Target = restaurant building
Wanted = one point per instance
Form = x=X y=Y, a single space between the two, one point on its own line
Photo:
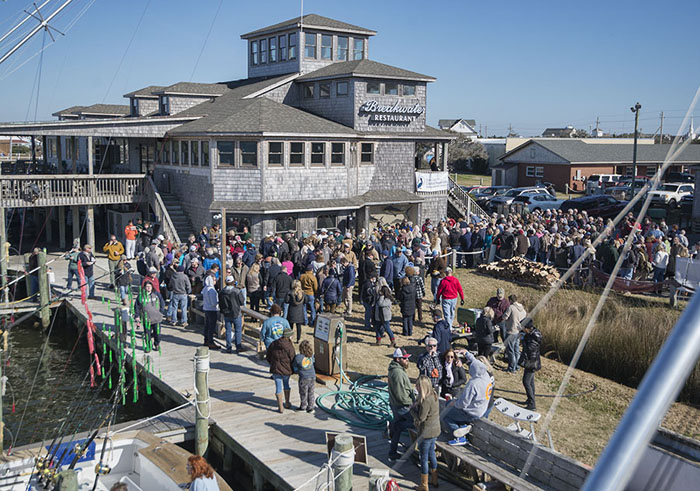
x=317 y=136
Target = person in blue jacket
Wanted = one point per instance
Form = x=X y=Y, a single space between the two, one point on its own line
x=331 y=291
x=273 y=328
x=348 y=284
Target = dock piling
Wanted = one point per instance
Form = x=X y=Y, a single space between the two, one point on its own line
x=44 y=295
x=343 y=456
x=201 y=386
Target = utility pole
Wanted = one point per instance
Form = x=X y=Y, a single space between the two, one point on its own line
x=510 y=129
x=635 y=109
x=661 y=131
x=597 y=126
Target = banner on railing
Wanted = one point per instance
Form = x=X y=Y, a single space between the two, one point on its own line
x=432 y=181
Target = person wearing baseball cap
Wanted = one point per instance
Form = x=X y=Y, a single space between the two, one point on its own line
x=401 y=399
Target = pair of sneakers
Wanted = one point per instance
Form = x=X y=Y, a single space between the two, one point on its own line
x=460 y=435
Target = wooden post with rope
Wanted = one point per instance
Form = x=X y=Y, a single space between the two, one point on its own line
x=44 y=290
x=344 y=458
x=201 y=384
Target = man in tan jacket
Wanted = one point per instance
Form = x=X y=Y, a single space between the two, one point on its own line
x=114 y=250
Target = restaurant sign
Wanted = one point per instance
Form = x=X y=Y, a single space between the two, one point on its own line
x=392 y=113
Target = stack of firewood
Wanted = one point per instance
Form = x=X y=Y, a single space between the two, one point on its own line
x=522 y=270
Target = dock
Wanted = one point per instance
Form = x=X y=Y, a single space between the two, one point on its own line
x=283 y=451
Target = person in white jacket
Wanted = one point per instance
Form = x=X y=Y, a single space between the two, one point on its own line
x=211 y=311
x=660 y=263
x=472 y=403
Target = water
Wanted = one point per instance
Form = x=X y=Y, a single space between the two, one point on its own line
x=62 y=392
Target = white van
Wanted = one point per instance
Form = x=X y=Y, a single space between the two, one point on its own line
x=596 y=183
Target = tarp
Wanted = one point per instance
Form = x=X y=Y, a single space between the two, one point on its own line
x=432 y=181
x=688 y=273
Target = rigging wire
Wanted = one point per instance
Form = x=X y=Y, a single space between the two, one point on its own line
x=211 y=27
x=672 y=155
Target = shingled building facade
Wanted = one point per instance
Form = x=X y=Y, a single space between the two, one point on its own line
x=317 y=136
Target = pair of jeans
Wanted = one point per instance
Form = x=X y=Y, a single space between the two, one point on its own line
x=281 y=382
x=512 y=351
x=310 y=303
x=529 y=384
x=659 y=274
x=453 y=418
x=368 y=315
x=237 y=324
x=71 y=273
x=123 y=292
x=210 y=318
x=347 y=299
x=625 y=273
x=407 y=325
x=426 y=448
x=33 y=284
x=178 y=300
x=380 y=327
x=91 y=285
x=449 y=305
x=434 y=284
x=402 y=421
x=306 y=392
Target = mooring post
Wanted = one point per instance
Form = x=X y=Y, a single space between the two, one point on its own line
x=44 y=296
x=201 y=388
x=343 y=456
x=2 y=387
x=453 y=260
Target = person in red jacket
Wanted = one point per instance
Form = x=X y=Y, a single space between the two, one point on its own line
x=447 y=294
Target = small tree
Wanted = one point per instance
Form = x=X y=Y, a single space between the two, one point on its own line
x=465 y=155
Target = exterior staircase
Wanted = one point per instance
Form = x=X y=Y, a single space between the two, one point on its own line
x=461 y=203
x=178 y=217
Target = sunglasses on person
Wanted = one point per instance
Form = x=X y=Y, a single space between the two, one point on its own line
x=432 y=346
x=449 y=357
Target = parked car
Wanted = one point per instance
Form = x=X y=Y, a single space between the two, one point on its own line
x=597 y=181
x=670 y=194
x=508 y=197
x=472 y=189
x=596 y=206
x=482 y=196
x=639 y=181
x=679 y=177
x=539 y=201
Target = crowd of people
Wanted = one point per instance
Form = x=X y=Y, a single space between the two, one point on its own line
x=392 y=268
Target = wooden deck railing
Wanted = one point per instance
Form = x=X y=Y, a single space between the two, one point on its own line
x=465 y=201
x=71 y=189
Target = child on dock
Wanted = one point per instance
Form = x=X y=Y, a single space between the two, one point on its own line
x=304 y=366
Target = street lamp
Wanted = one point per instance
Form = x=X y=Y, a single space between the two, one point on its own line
x=635 y=109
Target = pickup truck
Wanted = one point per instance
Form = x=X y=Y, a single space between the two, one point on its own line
x=670 y=194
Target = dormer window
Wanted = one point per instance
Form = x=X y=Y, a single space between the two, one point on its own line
x=391 y=88
x=253 y=52
x=342 y=48
x=164 y=105
x=263 y=51
x=134 y=107
x=358 y=49
x=409 y=90
x=273 y=49
x=373 y=88
x=283 y=47
x=326 y=47
x=310 y=45
x=293 y=46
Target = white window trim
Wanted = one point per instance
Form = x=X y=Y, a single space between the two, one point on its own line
x=374 y=153
x=539 y=171
x=530 y=171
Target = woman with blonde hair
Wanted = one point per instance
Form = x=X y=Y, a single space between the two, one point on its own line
x=201 y=474
x=426 y=417
x=295 y=312
x=253 y=284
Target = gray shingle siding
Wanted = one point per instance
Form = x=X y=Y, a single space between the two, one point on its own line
x=338 y=109
x=180 y=103
x=362 y=121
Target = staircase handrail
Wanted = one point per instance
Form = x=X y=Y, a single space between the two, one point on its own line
x=467 y=200
x=162 y=212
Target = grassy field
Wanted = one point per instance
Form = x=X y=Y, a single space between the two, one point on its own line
x=582 y=424
x=472 y=179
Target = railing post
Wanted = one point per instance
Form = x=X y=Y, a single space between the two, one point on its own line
x=44 y=290
x=201 y=376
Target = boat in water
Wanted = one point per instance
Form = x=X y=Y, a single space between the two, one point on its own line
x=138 y=459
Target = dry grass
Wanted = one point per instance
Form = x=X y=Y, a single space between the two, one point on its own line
x=630 y=333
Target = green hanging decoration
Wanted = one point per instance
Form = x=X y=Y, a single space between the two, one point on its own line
x=110 y=381
x=103 y=299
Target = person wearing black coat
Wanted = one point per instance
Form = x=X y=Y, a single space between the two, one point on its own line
x=295 y=313
x=407 y=302
x=281 y=286
x=368 y=296
x=453 y=375
x=530 y=361
x=483 y=333
x=367 y=269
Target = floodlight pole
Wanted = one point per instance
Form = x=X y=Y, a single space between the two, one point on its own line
x=635 y=109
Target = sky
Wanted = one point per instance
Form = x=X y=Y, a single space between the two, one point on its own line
x=531 y=65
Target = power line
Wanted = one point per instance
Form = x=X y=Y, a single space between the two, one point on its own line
x=213 y=21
